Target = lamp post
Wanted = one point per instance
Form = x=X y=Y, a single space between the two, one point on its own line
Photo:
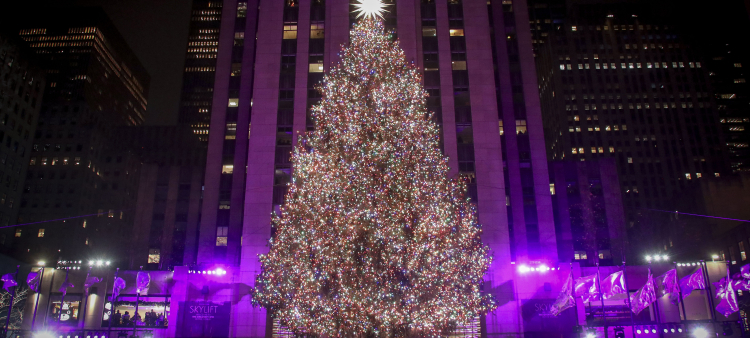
x=38 y=294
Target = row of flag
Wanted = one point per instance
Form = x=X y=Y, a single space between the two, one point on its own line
x=143 y=279
x=592 y=288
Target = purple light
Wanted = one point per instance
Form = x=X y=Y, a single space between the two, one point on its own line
x=524 y=268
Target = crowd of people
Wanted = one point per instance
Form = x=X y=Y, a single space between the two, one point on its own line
x=151 y=319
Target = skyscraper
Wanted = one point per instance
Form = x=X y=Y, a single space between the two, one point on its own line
x=623 y=82
x=267 y=56
x=21 y=89
x=80 y=187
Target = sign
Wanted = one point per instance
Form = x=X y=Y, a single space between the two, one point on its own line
x=203 y=319
x=538 y=319
x=68 y=314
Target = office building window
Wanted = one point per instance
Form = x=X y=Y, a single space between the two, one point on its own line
x=40 y=233
x=317 y=31
x=290 y=32
x=18 y=232
x=316 y=68
x=221 y=236
x=457 y=32
x=154 y=255
x=743 y=254
x=579 y=255
x=234 y=102
x=236 y=69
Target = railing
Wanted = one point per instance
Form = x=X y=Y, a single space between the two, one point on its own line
x=101 y=333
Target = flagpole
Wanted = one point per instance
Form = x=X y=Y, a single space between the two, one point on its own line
x=627 y=292
x=10 y=306
x=601 y=297
x=49 y=297
x=62 y=299
x=85 y=295
x=709 y=293
x=112 y=307
x=679 y=289
x=137 y=297
x=38 y=295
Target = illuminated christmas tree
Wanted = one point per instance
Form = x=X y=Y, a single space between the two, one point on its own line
x=373 y=238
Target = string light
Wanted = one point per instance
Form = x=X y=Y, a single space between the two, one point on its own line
x=373 y=238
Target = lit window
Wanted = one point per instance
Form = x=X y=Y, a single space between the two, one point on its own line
x=87 y=241
x=154 y=255
x=315 y=68
x=241 y=13
x=317 y=31
x=40 y=233
x=234 y=102
x=77 y=161
x=580 y=150
x=552 y=188
x=66 y=160
x=717 y=175
x=698 y=175
x=562 y=67
x=573 y=28
x=458 y=65
x=290 y=32
x=576 y=118
x=227 y=169
x=630 y=160
x=84 y=224
x=429 y=31
x=739 y=80
x=579 y=255
x=743 y=255
x=520 y=126
x=738 y=65
x=611 y=149
x=18 y=232
x=601 y=150
x=688 y=176
x=501 y=127
x=32 y=161
x=221 y=236
x=575 y=151
x=457 y=32
x=236 y=69
x=54 y=161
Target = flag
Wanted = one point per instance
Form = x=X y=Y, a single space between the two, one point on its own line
x=642 y=298
x=745 y=271
x=613 y=284
x=34 y=281
x=8 y=281
x=728 y=304
x=143 y=280
x=65 y=285
x=691 y=282
x=587 y=288
x=117 y=287
x=565 y=300
x=669 y=285
x=90 y=280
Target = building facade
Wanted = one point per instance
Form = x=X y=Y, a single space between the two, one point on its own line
x=190 y=302
x=267 y=56
x=589 y=216
x=169 y=195
x=80 y=187
x=22 y=84
x=623 y=83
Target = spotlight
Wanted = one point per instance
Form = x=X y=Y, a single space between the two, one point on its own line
x=524 y=269
x=714 y=256
x=672 y=330
x=98 y=263
x=107 y=263
x=40 y=263
x=657 y=258
x=43 y=334
x=91 y=263
x=648 y=258
x=665 y=257
x=665 y=330
x=653 y=330
x=590 y=335
x=638 y=331
x=679 y=329
x=700 y=333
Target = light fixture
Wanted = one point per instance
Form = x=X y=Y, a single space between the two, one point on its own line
x=648 y=258
x=107 y=263
x=40 y=263
x=700 y=333
x=665 y=257
x=590 y=335
x=99 y=263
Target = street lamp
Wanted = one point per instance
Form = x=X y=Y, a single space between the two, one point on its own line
x=40 y=263
x=714 y=257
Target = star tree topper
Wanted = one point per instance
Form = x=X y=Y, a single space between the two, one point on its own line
x=370 y=9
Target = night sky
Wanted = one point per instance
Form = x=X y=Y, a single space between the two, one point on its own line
x=156 y=30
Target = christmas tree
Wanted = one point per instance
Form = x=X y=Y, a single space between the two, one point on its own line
x=373 y=238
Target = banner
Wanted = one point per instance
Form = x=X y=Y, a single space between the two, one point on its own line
x=203 y=319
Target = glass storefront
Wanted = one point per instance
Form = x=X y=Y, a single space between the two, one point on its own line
x=153 y=311
x=65 y=311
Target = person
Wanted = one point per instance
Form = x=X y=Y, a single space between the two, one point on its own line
x=152 y=321
x=137 y=319
x=126 y=319
x=160 y=321
x=116 y=318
